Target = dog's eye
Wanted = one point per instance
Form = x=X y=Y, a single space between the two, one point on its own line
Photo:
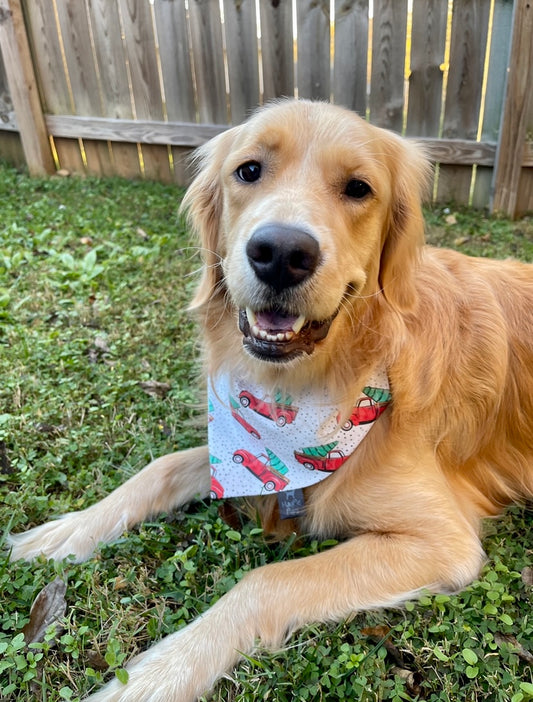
x=249 y=172
x=357 y=189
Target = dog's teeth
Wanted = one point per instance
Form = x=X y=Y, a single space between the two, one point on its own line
x=281 y=337
x=252 y=319
x=296 y=327
x=262 y=334
x=255 y=330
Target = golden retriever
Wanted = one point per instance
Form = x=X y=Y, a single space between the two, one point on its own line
x=315 y=275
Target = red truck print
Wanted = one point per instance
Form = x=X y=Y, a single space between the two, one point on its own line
x=235 y=413
x=364 y=412
x=271 y=479
x=278 y=410
x=217 y=491
x=368 y=408
x=324 y=458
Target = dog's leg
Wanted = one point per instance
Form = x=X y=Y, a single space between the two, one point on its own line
x=371 y=570
x=165 y=483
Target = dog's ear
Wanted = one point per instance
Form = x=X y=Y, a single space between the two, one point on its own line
x=203 y=205
x=404 y=234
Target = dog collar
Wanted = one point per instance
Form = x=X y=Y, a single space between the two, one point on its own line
x=262 y=444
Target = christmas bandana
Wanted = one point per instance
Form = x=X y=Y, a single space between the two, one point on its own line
x=261 y=444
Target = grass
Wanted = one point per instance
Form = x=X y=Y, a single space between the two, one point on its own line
x=94 y=280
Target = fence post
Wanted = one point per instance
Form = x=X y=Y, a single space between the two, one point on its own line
x=513 y=129
x=23 y=88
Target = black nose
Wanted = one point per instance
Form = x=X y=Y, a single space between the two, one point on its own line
x=282 y=256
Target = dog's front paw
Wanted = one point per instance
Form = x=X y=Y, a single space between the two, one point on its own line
x=180 y=668
x=76 y=534
x=155 y=676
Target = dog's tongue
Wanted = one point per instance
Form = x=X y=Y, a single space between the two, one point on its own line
x=275 y=321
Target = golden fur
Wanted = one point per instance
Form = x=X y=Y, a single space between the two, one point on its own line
x=455 y=334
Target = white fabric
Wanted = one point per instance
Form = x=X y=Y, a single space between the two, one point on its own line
x=254 y=454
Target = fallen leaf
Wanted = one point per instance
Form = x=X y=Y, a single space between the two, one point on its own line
x=154 y=388
x=52 y=429
x=510 y=640
x=461 y=240
x=63 y=173
x=5 y=463
x=141 y=233
x=96 y=661
x=402 y=662
x=450 y=219
x=48 y=608
x=98 y=349
x=527 y=575
x=413 y=680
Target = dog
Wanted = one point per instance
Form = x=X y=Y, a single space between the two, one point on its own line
x=316 y=278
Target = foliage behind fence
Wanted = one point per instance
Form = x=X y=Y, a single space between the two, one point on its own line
x=128 y=87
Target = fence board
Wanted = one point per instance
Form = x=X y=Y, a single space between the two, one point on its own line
x=388 y=62
x=52 y=80
x=277 y=59
x=7 y=111
x=502 y=24
x=11 y=150
x=313 y=62
x=176 y=70
x=518 y=115
x=83 y=80
x=428 y=39
x=115 y=101
x=10 y=145
x=139 y=44
x=133 y=131
x=240 y=25
x=23 y=89
x=208 y=59
x=351 y=54
x=524 y=199
x=464 y=90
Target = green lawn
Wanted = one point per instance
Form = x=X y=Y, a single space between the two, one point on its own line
x=94 y=280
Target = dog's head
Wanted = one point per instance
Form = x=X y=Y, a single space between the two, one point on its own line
x=305 y=212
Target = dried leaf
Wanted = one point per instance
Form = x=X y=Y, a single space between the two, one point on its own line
x=5 y=463
x=376 y=632
x=154 y=388
x=511 y=641
x=98 y=349
x=48 y=608
x=527 y=575
x=52 y=429
x=450 y=219
x=461 y=240
x=413 y=680
x=402 y=662
x=96 y=661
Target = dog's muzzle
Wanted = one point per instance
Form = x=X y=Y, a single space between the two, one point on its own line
x=276 y=336
x=282 y=257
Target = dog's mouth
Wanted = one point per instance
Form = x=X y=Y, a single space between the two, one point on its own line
x=276 y=336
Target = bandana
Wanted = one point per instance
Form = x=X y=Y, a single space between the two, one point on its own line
x=261 y=444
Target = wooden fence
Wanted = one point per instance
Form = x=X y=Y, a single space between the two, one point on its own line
x=129 y=87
